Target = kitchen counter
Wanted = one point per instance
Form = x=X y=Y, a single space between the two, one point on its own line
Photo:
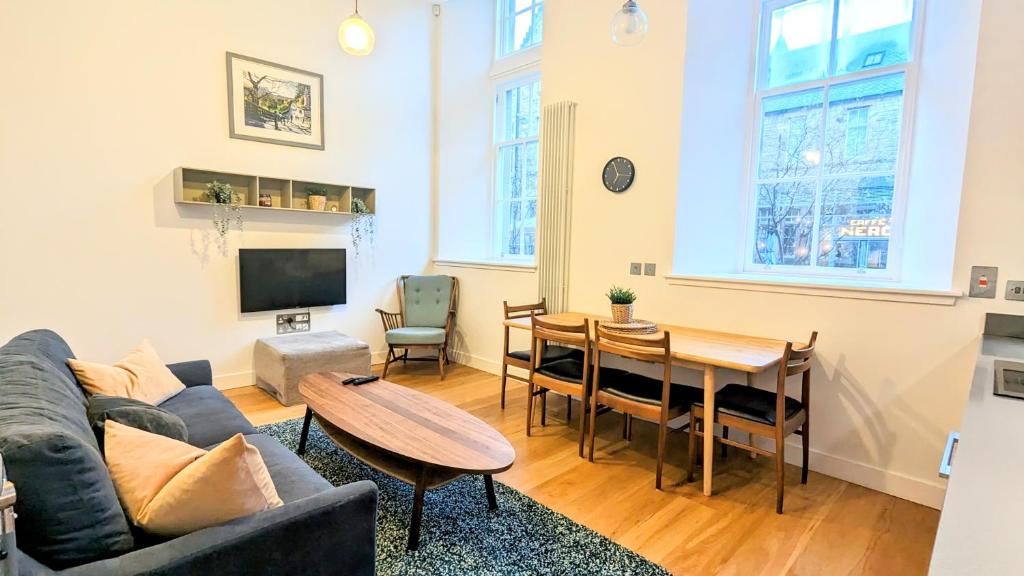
x=979 y=531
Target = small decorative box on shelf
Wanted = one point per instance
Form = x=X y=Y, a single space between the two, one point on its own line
x=269 y=193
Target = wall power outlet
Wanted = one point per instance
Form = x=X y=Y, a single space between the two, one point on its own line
x=289 y=323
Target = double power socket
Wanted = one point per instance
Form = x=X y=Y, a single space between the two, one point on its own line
x=289 y=323
x=636 y=268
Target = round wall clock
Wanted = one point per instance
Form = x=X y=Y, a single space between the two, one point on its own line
x=618 y=174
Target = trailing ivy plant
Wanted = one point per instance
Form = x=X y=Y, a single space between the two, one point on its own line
x=227 y=208
x=363 y=226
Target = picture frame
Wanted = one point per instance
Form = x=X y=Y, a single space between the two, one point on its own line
x=274 y=103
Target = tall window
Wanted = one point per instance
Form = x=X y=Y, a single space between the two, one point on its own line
x=831 y=90
x=520 y=25
x=517 y=128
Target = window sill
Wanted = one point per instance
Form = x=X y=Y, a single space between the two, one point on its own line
x=504 y=265
x=829 y=288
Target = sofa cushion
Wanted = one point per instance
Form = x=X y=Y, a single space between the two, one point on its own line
x=46 y=345
x=134 y=413
x=171 y=488
x=293 y=478
x=209 y=416
x=141 y=375
x=68 y=512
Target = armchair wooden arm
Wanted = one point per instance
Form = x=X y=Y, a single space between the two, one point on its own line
x=390 y=320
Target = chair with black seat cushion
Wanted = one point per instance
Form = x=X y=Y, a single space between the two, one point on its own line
x=635 y=394
x=569 y=376
x=521 y=358
x=755 y=411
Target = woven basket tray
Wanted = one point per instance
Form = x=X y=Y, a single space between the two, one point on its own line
x=634 y=327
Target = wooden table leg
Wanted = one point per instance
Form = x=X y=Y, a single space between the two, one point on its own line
x=417 y=510
x=305 y=431
x=750 y=437
x=492 y=501
x=709 y=426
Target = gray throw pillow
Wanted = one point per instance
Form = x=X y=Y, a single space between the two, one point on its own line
x=133 y=413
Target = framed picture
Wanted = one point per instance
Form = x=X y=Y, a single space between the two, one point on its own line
x=273 y=103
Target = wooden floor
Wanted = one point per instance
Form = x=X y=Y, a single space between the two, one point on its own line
x=830 y=526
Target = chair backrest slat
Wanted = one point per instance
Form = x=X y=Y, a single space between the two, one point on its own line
x=655 y=348
x=572 y=334
x=798 y=360
x=525 y=310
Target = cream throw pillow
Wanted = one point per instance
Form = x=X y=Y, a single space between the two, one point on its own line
x=170 y=488
x=141 y=375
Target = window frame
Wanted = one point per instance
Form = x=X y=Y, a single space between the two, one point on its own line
x=760 y=92
x=497 y=200
x=507 y=17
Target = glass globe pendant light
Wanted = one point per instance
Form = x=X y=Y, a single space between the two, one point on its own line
x=629 y=25
x=355 y=35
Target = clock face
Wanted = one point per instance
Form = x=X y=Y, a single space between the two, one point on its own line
x=619 y=173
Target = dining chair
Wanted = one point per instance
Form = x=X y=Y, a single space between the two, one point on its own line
x=634 y=394
x=569 y=376
x=755 y=411
x=425 y=318
x=521 y=358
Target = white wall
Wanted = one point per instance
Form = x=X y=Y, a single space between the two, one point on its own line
x=466 y=95
x=890 y=378
x=105 y=98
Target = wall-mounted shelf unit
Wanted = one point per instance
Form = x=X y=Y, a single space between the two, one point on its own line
x=285 y=194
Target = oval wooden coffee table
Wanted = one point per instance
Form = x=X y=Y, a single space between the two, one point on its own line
x=406 y=434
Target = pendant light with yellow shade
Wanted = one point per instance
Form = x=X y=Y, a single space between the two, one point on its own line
x=355 y=35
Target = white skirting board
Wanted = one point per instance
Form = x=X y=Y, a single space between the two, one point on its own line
x=927 y=493
x=234 y=380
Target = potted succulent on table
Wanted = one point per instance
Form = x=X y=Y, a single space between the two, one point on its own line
x=622 y=304
x=317 y=196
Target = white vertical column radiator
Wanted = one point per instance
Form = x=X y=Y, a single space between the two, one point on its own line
x=554 y=214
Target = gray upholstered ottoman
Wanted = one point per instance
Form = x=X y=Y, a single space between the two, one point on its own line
x=281 y=361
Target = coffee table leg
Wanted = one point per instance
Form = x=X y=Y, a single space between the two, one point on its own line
x=492 y=501
x=417 y=511
x=305 y=431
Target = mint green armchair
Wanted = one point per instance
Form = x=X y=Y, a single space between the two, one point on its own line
x=426 y=318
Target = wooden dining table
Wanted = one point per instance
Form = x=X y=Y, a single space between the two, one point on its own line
x=697 y=349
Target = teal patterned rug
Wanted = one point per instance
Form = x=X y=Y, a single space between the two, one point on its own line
x=460 y=535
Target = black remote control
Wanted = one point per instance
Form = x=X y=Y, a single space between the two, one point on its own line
x=365 y=380
x=350 y=380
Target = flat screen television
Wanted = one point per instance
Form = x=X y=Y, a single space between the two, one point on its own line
x=280 y=279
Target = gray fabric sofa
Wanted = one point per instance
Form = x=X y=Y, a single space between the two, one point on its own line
x=69 y=520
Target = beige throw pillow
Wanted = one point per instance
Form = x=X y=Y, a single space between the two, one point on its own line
x=141 y=375
x=170 y=488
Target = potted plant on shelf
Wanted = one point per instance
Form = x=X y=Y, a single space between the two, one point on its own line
x=362 y=225
x=227 y=208
x=317 y=196
x=622 y=304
